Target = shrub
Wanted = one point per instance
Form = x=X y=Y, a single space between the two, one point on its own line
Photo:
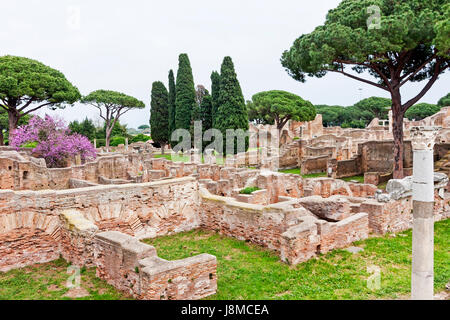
x=115 y=141
x=101 y=143
x=249 y=190
x=54 y=141
x=140 y=138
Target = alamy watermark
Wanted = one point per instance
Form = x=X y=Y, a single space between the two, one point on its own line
x=374 y=281
x=205 y=146
x=74 y=280
x=73 y=21
x=374 y=20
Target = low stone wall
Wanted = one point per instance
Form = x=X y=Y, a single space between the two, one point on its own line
x=314 y=165
x=20 y=171
x=288 y=228
x=396 y=215
x=30 y=225
x=133 y=267
x=348 y=168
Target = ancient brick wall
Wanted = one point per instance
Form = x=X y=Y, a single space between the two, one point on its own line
x=22 y=172
x=314 y=164
x=396 y=215
x=134 y=267
x=30 y=225
x=26 y=237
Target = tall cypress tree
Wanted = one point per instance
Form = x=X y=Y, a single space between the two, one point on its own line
x=215 y=87
x=159 y=117
x=172 y=97
x=185 y=93
x=231 y=112
x=206 y=115
x=206 y=112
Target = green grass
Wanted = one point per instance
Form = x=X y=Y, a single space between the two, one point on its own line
x=297 y=171
x=168 y=156
x=383 y=185
x=246 y=271
x=36 y=283
x=249 y=190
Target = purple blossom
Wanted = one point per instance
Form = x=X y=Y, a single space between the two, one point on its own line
x=55 y=143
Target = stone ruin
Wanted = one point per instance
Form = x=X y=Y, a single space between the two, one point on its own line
x=95 y=214
x=348 y=152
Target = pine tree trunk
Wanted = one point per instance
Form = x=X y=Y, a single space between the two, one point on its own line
x=2 y=139
x=108 y=138
x=397 y=131
x=13 y=119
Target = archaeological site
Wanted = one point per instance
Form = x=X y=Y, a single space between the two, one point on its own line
x=237 y=159
x=94 y=214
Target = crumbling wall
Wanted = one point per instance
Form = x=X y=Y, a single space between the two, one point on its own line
x=133 y=267
x=30 y=220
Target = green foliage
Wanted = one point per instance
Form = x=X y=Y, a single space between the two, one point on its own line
x=185 y=93
x=112 y=100
x=31 y=145
x=356 y=116
x=172 y=107
x=112 y=105
x=331 y=115
x=249 y=190
x=421 y=111
x=27 y=85
x=444 y=101
x=360 y=124
x=101 y=143
x=159 y=119
x=215 y=88
x=29 y=80
x=85 y=128
x=278 y=107
x=140 y=138
x=206 y=109
x=378 y=107
x=115 y=141
x=409 y=26
x=143 y=127
x=118 y=130
x=232 y=111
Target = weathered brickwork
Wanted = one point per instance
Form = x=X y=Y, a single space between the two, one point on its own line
x=133 y=267
x=100 y=223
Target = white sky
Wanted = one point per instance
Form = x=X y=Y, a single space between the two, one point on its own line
x=126 y=45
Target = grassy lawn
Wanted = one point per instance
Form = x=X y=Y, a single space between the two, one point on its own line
x=246 y=271
x=358 y=179
x=297 y=171
x=168 y=156
x=47 y=281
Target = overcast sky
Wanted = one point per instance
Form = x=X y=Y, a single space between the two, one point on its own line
x=126 y=45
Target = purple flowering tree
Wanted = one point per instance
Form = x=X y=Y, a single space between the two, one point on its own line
x=52 y=140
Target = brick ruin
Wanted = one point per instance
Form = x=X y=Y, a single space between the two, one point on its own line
x=349 y=152
x=95 y=214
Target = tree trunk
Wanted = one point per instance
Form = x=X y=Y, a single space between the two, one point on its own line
x=13 y=117
x=108 y=132
x=397 y=131
x=2 y=140
x=162 y=147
